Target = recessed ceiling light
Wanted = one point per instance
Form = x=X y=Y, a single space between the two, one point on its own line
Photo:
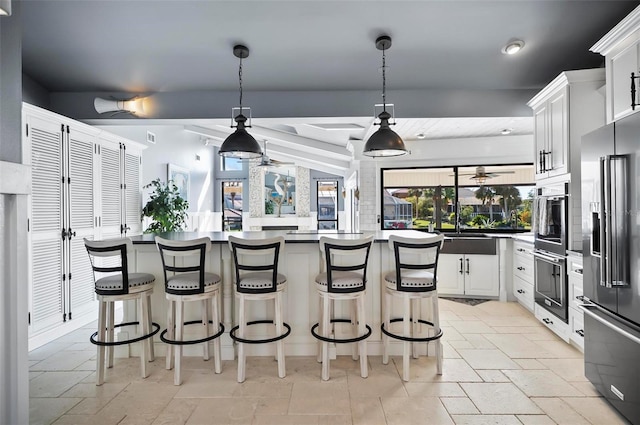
x=506 y=131
x=421 y=136
x=513 y=47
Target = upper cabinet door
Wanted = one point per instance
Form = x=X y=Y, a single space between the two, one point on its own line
x=622 y=65
x=541 y=136
x=558 y=146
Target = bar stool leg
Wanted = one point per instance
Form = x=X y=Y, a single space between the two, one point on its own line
x=205 y=325
x=216 y=328
x=110 y=332
x=279 y=331
x=415 y=315
x=102 y=325
x=152 y=351
x=241 y=331
x=326 y=320
x=362 y=329
x=142 y=317
x=320 y=328
x=353 y=305
x=171 y=316
x=177 y=377
x=386 y=314
x=436 y=326
x=406 y=331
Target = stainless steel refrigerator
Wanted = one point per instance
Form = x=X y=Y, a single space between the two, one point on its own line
x=611 y=251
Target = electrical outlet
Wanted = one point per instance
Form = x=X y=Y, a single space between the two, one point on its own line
x=151 y=137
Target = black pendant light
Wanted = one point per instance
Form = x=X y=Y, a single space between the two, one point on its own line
x=240 y=144
x=384 y=142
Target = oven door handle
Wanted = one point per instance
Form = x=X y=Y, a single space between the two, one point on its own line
x=549 y=258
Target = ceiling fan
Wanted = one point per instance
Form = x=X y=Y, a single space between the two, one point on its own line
x=265 y=161
x=481 y=175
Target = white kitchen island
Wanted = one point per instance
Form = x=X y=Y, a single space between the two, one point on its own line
x=300 y=262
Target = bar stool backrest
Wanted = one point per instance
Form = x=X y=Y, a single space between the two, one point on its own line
x=345 y=255
x=256 y=255
x=109 y=258
x=191 y=253
x=416 y=254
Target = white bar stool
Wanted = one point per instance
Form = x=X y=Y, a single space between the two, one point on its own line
x=257 y=279
x=184 y=283
x=345 y=279
x=109 y=260
x=414 y=279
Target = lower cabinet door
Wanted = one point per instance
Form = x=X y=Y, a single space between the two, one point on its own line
x=481 y=275
x=451 y=274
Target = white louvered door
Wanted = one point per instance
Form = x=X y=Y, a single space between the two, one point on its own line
x=133 y=194
x=46 y=293
x=110 y=190
x=82 y=220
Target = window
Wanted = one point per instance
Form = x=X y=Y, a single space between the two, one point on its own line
x=231 y=164
x=489 y=197
x=327 y=202
x=231 y=206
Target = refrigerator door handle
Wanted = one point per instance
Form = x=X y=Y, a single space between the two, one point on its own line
x=587 y=309
x=618 y=220
x=605 y=224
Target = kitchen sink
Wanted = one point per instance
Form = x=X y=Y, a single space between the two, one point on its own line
x=466 y=235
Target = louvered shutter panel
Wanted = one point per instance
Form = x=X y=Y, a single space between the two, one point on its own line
x=45 y=139
x=133 y=196
x=81 y=151
x=110 y=190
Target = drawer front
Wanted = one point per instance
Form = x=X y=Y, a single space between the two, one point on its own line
x=575 y=293
x=523 y=291
x=577 y=327
x=523 y=268
x=522 y=249
x=557 y=326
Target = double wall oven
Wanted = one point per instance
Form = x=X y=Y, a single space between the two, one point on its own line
x=551 y=229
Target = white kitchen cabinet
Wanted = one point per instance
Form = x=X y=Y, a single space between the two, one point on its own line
x=563 y=111
x=620 y=48
x=70 y=197
x=468 y=274
x=552 y=322
x=576 y=316
x=523 y=277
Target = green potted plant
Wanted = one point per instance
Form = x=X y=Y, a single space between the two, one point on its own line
x=166 y=207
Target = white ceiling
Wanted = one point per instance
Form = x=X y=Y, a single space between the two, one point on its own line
x=182 y=49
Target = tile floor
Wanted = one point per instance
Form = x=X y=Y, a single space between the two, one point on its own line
x=501 y=367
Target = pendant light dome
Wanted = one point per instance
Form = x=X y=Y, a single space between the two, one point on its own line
x=240 y=144
x=384 y=142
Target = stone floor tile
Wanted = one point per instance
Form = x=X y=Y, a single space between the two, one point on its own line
x=559 y=350
x=177 y=412
x=319 y=398
x=571 y=370
x=384 y=384
x=491 y=375
x=541 y=383
x=535 y=420
x=486 y=420
x=453 y=370
x=499 y=398
x=471 y=327
x=586 y=388
x=89 y=420
x=434 y=389
x=47 y=350
x=63 y=360
x=44 y=411
x=367 y=411
x=518 y=346
x=596 y=410
x=487 y=359
x=561 y=412
x=459 y=406
x=415 y=410
x=54 y=384
x=529 y=364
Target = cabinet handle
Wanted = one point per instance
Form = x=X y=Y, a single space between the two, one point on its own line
x=467 y=266
x=520 y=291
x=540 y=160
x=579 y=271
x=580 y=332
x=461 y=266
x=580 y=298
x=549 y=154
x=520 y=250
x=520 y=268
x=547 y=321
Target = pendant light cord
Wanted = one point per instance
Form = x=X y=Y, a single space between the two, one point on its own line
x=384 y=81
x=240 y=81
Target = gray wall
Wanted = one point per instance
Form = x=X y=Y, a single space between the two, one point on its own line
x=34 y=93
x=10 y=87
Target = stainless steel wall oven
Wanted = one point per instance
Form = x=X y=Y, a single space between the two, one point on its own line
x=551 y=218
